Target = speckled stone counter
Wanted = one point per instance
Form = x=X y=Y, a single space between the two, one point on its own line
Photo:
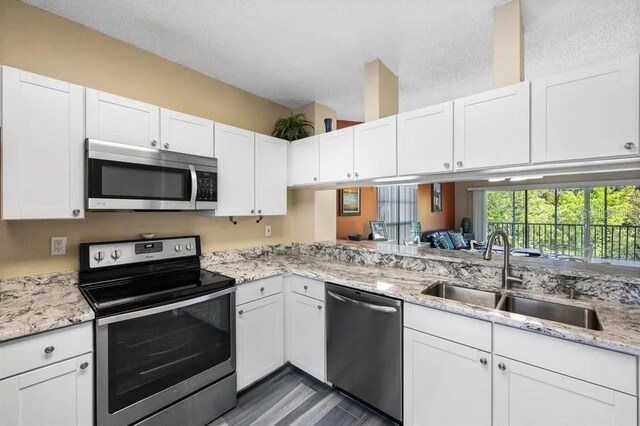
x=621 y=322
x=34 y=304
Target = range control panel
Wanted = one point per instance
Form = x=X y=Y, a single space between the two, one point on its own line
x=128 y=252
x=207 y=186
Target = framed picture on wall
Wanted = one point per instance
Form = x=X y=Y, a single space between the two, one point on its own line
x=436 y=197
x=350 y=204
x=378 y=230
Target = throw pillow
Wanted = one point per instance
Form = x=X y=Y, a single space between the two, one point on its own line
x=458 y=240
x=448 y=240
x=439 y=241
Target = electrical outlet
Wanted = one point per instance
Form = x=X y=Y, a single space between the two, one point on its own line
x=267 y=230
x=58 y=246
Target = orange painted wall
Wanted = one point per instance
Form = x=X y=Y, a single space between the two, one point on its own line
x=346 y=225
x=437 y=220
x=341 y=124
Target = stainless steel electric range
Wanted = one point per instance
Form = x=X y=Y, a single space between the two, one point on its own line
x=165 y=332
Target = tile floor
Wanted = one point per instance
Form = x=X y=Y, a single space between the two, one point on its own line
x=290 y=397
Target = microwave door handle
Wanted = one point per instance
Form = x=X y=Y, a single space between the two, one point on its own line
x=194 y=186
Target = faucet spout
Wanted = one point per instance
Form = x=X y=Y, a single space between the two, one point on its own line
x=506 y=273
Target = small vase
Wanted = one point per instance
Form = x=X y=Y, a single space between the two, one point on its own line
x=327 y=124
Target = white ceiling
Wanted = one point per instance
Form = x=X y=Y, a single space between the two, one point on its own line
x=296 y=51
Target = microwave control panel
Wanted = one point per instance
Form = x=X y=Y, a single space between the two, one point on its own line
x=207 y=186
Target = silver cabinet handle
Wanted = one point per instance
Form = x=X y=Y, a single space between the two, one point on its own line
x=166 y=146
x=502 y=366
x=240 y=312
x=76 y=212
x=459 y=163
x=483 y=361
x=306 y=287
x=319 y=307
x=315 y=178
x=260 y=211
x=261 y=289
x=84 y=365
x=447 y=165
x=357 y=174
x=348 y=175
x=154 y=143
x=49 y=349
x=629 y=145
x=252 y=211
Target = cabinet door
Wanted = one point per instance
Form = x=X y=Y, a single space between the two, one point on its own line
x=304 y=161
x=445 y=383
x=587 y=113
x=374 y=149
x=236 y=171
x=259 y=338
x=42 y=147
x=425 y=140
x=307 y=342
x=531 y=396
x=60 y=394
x=336 y=156
x=271 y=175
x=116 y=119
x=186 y=133
x=492 y=128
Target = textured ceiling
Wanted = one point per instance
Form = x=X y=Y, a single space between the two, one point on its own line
x=296 y=51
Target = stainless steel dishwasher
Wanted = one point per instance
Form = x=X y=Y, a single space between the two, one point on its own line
x=364 y=347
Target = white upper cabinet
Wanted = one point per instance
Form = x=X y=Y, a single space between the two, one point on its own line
x=116 y=119
x=270 y=175
x=492 y=129
x=374 y=149
x=524 y=395
x=304 y=161
x=186 y=133
x=587 y=113
x=235 y=152
x=42 y=147
x=425 y=140
x=336 y=155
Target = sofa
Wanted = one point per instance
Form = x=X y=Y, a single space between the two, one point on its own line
x=447 y=239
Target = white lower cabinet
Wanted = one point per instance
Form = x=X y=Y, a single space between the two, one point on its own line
x=445 y=383
x=259 y=336
x=525 y=395
x=59 y=394
x=307 y=348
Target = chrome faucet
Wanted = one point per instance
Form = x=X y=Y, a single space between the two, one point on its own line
x=506 y=274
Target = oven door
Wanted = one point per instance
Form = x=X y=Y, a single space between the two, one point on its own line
x=148 y=359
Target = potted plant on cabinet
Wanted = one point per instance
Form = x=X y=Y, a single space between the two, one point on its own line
x=292 y=128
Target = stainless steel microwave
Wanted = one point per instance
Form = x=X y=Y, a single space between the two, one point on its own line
x=126 y=177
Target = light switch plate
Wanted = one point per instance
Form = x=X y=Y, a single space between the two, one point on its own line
x=58 y=246
x=267 y=230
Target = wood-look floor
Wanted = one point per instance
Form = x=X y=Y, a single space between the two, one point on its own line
x=290 y=397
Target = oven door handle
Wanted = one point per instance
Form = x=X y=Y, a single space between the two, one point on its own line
x=163 y=308
x=194 y=186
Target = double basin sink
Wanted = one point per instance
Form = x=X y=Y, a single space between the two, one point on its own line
x=566 y=314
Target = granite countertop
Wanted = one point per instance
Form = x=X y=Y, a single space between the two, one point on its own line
x=621 y=322
x=33 y=304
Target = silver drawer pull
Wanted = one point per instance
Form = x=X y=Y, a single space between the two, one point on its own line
x=49 y=349
x=240 y=312
x=629 y=145
x=261 y=289
x=84 y=365
x=502 y=366
x=319 y=307
x=483 y=361
x=306 y=287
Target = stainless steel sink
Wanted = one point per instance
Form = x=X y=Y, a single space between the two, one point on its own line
x=567 y=314
x=462 y=294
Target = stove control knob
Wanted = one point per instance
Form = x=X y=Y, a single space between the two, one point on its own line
x=116 y=254
x=99 y=256
x=178 y=247
x=189 y=246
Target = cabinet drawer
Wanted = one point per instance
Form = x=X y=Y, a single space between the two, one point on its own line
x=600 y=366
x=258 y=289
x=28 y=353
x=307 y=287
x=457 y=328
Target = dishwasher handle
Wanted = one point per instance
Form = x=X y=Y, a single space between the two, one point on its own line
x=371 y=306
